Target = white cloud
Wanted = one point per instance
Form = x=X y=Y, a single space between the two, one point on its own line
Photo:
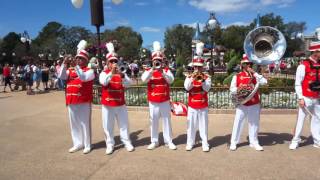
x=278 y=3
x=140 y=3
x=123 y=22
x=221 y=6
x=237 y=5
x=237 y=23
x=149 y=29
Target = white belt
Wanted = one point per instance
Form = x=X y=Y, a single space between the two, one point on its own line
x=113 y=99
x=73 y=94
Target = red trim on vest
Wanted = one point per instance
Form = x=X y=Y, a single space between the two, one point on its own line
x=113 y=93
x=243 y=78
x=310 y=76
x=77 y=91
x=158 y=88
x=198 y=98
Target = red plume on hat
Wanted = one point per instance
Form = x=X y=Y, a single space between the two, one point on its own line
x=157 y=54
x=111 y=52
x=81 y=52
x=198 y=59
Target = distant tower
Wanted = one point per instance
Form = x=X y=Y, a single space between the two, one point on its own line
x=196 y=38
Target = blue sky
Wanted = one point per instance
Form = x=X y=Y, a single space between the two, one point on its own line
x=151 y=17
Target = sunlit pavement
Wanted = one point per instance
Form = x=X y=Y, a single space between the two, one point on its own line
x=35 y=138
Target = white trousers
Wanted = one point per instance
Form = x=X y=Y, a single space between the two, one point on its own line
x=80 y=123
x=197 y=119
x=313 y=105
x=158 y=110
x=109 y=115
x=253 y=115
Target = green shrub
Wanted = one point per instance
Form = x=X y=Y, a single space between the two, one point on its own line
x=178 y=82
x=228 y=79
x=218 y=79
x=179 y=73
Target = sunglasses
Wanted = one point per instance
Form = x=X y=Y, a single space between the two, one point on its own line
x=113 y=61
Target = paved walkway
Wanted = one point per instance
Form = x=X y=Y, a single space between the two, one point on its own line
x=35 y=137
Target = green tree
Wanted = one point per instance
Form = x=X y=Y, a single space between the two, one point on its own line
x=129 y=41
x=177 y=40
x=8 y=45
x=233 y=37
x=69 y=37
x=47 y=40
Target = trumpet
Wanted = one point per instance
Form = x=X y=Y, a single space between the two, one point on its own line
x=157 y=64
x=119 y=70
x=198 y=76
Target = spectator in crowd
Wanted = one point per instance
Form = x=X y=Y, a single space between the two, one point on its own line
x=52 y=76
x=133 y=66
x=37 y=75
x=1 y=75
x=45 y=76
x=61 y=83
x=29 y=78
x=19 y=79
x=7 y=77
x=173 y=67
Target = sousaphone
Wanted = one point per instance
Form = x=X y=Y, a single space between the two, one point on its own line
x=263 y=45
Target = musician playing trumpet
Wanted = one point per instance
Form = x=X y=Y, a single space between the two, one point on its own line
x=159 y=81
x=198 y=84
x=113 y=83
x=78 y=98
x=243 y=81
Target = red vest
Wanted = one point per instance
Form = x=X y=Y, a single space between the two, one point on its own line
x=243 y=78
x=198 y=98
x=78 y=92
x=113 y=93
x=158 y=88
x=310 y=77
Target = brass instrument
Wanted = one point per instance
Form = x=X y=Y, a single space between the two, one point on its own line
x=198 y=76
x=157 y=64
x=263 y=45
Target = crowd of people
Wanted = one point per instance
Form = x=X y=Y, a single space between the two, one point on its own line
x=29 y=77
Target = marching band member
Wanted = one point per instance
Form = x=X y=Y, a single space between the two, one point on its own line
x=198 y=85
x=308 y=91
x=159 y=81
x=78 y=99
x=113 y=103
x=251 y=109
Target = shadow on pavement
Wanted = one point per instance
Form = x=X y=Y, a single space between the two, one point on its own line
x=117 y=140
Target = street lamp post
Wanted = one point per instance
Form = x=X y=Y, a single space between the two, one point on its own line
x=211 y=25
x=25 y=39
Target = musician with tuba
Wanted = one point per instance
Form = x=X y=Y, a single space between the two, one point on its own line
x=198 y=84
x=79 y=97
x=242 y=83
x=113 y=83
x=307 y=87
x=159 y=81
